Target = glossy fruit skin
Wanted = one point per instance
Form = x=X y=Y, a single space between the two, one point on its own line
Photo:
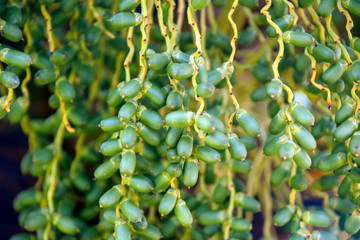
x=274 y=89
x=35 y=220
x=180 y=119
x=302 y=158
x=111 y=147
x=131 y=88
x=207 y=154
x=354 y=175
x=305 y=3
x=284 y=23
x=248 y=123
x=283 y=215
x=44 y=76
x=280 y=173
x=9 y=79
x=185 y=145
x=180 y=71
x=345 y=112
x=345 y=130
x=332 y=162
x=128 y=5
x=352 y=224
x=149 y=135
x=131 y=211
x=237 y=148
x=15 y=58
x=127 y=163
x=278 y=122
x=287 y=150
x=205 y=123
x=303 y=137
x=249 y=3
x=122 y=230
x=140 y=183
x=299 y=182
x=212 y=217
x=127 y=111
x=334 y=72
x=217 y=140
x=10 y=31
x=354 y=144
x=65 y=89
x=174 y=101
x=341 y=205
x=326 y=7
x=199 y=4
x=129 y=136
x=112 y=196
x=66 y=225
x=241 y=225
x=205 y=90
x=299 y=39
x=158 y=61
x=322 y=53
x=247 y=202
x=273 y=144
x=162 y=181
x=317 y=218
x=183 y=213
x=191 y=172
x=125 y=20
x=107 y=169
x=216 y=75
x=111 y=124
x=243 y=167
x=352 y=5
x=302 y=114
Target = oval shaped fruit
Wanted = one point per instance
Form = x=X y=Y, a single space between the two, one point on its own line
x=332 y=162
x=130 y=210
x=284 y=215
x=299 y=39
x=247 y=203
x=191 y=172
x=180 y=119
x=302 y=114
x=205 y=90
x=280 y=173
x=168 y=201
x=303 y=137
x=217 y=140
x=185 y=145
x=237 y=148
x=298 y=182
x=274 y=89
x=125 y=20
x=207 y=154
x=317 y=218
x=345 y=130
x=248 y=123
x=9 y=79
x=180 y=71
x=212 y=217
x=183 y=213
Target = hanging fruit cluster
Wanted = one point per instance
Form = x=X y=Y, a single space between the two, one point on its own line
x=148 y=130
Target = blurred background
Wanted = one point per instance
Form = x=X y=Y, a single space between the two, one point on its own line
x=13 y=146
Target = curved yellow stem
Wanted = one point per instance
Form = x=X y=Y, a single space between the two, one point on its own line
x=313 y=77
x=130 y=54
x=336 y=39
x=49 y=32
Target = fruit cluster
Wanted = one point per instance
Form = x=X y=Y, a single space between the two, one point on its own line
x=180 y=158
